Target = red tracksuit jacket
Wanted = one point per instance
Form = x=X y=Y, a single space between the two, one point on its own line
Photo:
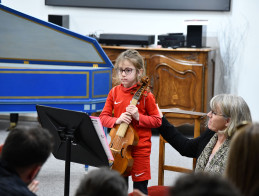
x=118 y=99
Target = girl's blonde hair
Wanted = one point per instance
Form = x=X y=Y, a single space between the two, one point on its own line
x=132 y=56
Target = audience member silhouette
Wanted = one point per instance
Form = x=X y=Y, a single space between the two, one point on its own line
x=24 y=152
x=243 y=161
x=102 y=181
x=203 y=184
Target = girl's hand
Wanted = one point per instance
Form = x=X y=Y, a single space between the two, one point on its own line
x=124 y=118
x=133 y=110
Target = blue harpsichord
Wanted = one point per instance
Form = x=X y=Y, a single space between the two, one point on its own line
x=43 y=63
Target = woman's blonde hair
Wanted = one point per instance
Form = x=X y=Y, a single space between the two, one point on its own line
x=132 y=56
x=233 y=107
x=243 y=160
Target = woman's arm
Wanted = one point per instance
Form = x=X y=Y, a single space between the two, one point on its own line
x=185 y=146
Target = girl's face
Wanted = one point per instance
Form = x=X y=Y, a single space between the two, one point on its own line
x=217 y=122
x=127 y=73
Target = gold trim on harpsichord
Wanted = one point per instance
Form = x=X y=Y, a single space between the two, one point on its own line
x=103 y=62
x=28 y=60
x=95 y=72
x=49 y=72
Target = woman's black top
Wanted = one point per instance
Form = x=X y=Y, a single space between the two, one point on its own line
x=189 y=147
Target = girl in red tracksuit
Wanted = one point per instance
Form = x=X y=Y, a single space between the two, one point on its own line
x=144 y=116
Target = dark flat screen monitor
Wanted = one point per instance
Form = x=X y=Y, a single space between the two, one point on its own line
x=181 y=5
x=86 y=147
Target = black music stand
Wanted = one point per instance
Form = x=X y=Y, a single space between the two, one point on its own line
x=76 y=128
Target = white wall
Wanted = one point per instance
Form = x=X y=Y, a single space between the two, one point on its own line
x=249 y=71
x=234 y=34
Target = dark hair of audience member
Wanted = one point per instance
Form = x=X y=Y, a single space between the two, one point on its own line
x=243 y=160
x=26 y=146
x=254 y=190
x=102 y=181
x=203 y=184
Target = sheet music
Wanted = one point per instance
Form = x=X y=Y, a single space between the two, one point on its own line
x=100 y=132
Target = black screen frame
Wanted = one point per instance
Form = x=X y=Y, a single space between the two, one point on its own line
x=177 y=5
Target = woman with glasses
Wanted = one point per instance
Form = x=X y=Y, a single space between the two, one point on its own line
x=143 y=116
x=211 y=147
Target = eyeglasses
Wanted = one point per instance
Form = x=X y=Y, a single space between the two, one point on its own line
x=127 y=71
x=216 y=114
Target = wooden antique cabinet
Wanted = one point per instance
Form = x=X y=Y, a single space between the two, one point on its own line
x=180 y=78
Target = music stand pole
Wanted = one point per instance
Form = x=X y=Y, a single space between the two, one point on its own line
x=67 y=166
x=69 y=136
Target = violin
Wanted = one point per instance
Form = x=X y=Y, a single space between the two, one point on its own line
x=124 y=137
